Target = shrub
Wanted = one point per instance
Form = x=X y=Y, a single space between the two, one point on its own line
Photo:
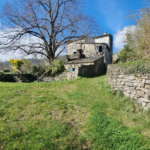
x=126 y=54
x=56 y=67
x=114 y=62
x=27 y=66
x=16 y=63
x=37 y=70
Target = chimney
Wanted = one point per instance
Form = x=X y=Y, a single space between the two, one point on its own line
x=105 y=33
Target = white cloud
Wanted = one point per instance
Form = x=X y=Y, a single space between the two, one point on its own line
x=120 y=37
x=6 y=57
x=25 y=40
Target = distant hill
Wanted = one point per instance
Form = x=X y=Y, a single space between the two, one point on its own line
x=7 y=64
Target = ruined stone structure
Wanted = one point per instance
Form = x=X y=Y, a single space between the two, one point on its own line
x=135 y=87
x=87 y=67
x=93 y=46
x=84 y=67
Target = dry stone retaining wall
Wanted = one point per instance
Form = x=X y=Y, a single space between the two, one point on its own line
x=6 y=78
x=133 y=86
x=62 y=76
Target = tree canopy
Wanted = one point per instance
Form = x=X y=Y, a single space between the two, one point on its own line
x=42 y=27
x=138 y=39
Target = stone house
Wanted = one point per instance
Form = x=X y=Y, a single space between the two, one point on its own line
x=87 y=57
x=92 y=47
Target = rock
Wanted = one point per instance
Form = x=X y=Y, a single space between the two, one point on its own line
x=147 y=96
x=144 y=104
x=128 y=91
x=135 y=97
x=147 y=81
x=146 y=91
x=121 y=76
x=143 y=81
x=145 y=108
x=135 y=84
x=131 y=77
x=132 y=96
x=129 y=84
x=126 y=88
x=138 y=88
x=133 y=91
x=126 y=94
x=147 y=86
x=132 y=88
x=141 y=100
x=138 y=79
x=140 y=93
x=148 y=105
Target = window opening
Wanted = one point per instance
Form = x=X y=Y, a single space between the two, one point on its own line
x=80 y=51
x=74 y=52
x=99 y=49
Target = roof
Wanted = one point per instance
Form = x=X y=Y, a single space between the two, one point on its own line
x=71 y=41
x=85 y=60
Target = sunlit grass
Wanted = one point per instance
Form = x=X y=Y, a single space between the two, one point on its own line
x=135 y=63
x=57 y=115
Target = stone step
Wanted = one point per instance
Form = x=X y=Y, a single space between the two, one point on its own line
x=21 y=79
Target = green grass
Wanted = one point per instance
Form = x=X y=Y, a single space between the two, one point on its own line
x=136 y=67
x=134 y=63
x=64 y=115
x=2 y=72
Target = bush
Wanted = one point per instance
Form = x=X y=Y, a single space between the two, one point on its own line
x=27 y=66
x=37 y=70
x=56 y=67
x=16 y=63
x=126 y=54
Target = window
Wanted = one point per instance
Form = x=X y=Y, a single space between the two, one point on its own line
x=80 y=51
x=74 y=52
x=99 y=49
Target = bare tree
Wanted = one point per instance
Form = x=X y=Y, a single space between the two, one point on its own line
x=48 y=24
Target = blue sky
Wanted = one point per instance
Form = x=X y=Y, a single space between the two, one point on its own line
x=110 y=14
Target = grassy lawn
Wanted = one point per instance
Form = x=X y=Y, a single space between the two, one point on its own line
x=134 y=63
x=84 y=114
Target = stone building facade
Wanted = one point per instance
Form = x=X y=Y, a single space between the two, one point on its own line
x=87 y=67
x=93 y=46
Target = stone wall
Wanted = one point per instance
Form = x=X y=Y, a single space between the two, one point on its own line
x=62 y=76
x=137 y=87
x=87 y=69
x=97 y=68
x=6 y=78
x=80 y=69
